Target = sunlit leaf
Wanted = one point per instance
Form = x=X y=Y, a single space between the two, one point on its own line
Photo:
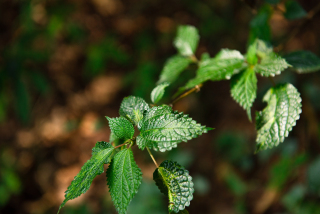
x=121 y=127
x=186 y=40
x=133 y=108
x=162 y=129
x=276 y=121
x=158 y=92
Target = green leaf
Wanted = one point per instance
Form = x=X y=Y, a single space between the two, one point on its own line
x=92 y=168
x=175 y=182
x=225 y=64
x=173 y=68
x=276 y=121
x=294 y=10
x=186 y=40
x=162 y=129
x=251 y=56
x=124 y=179
x=271 y=65
x=121 y=127
x=244 y=89
x=259 y=25
x=158 y=92
x=133 y=108
x=303 y=61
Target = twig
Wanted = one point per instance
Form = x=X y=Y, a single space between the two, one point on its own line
x=125 y=143
x=196 y=88
x=154 y=161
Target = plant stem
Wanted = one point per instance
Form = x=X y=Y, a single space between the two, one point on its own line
x=154 y=161
x=196 y=88
x=125 y=143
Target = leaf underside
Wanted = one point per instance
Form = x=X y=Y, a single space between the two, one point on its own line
x=158 y=92
x=173 y=68
x=275 y=122
x=162 y=129
x=175 y=182
x=124 y=179
x=303 y=61
x=92 y=168
x=133 y=108
x=225 y=64
x=244 y=89
x=121 y=127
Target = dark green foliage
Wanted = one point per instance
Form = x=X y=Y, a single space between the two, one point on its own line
x=121 y=127
x=303 y=61
x=124 y=179
x=92 y=168
x=175 y=182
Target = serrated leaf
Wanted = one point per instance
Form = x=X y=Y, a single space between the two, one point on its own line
x=133 y=108
x=186 y=40
x=303 y=61
x=175 y=182
x=225 y=64
x=162 y=129
x=92 y=168
x=124 y=179
x=121 y=127
x=294 y=10
x=158 y=92
x=275 y=122
x=244 y=89
x=173 y=68
x=271 y=65
x=258 y=48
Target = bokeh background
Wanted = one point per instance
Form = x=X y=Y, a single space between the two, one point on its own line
x=65 y=64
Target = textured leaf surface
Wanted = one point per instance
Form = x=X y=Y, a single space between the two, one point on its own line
x=121 y=127
x=223 y=66
x=133 y=108
x=173 y=68
x=162 y=129
x=271 y=65
x=186 y=40
x=303 y=61
x=92 y=168
x=124 y=179
x=276 y=121
x=244 y=89
x=158 y=92
x=294 y=10
x=175 y=182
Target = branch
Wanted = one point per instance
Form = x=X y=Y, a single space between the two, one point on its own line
x=196 y=88
x=154 y=161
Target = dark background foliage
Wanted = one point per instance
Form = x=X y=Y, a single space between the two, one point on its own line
x=64 y=65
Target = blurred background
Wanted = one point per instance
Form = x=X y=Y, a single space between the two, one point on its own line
x=65 y=64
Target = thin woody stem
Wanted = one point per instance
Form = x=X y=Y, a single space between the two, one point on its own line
x=196 y=88
x=125 y=143
x=154 y=161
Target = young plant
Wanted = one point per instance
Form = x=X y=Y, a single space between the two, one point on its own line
x=161 y=128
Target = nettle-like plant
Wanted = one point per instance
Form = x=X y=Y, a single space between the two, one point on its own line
x=161 y=128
